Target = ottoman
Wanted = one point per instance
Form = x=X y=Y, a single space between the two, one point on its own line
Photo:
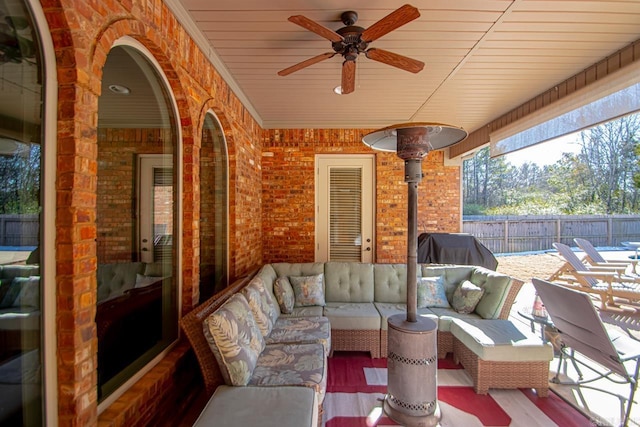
x=498 y=355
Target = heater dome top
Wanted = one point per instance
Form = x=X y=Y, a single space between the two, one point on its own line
x=440 y=135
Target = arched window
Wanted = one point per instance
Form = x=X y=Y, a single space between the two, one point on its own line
x=22 y=151
x=213 y=209
x=137 y=217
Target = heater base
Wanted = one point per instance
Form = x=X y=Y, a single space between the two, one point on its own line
x=407 y=420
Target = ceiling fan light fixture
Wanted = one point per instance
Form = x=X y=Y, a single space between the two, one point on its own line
x=119 y=89
x=337 y=90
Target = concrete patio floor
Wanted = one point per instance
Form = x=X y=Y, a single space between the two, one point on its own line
x=602 y=408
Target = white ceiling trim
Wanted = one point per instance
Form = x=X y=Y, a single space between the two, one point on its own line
x=201 y=40
x=530 y=130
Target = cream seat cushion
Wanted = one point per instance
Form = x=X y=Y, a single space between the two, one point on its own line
x=260 y=406
x=446 y=316
x=500 y=340
x=352 y=315
x=387 y=310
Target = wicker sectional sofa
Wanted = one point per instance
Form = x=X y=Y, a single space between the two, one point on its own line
x=357 y=299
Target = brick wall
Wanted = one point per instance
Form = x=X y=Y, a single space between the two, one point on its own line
x=270 y=189
x=117 y=156
x=83 y=33
x=288 y=183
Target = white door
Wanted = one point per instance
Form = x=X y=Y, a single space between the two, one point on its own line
x=155 y=207
x=345 y=208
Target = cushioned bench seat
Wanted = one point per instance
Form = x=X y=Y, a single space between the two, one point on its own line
x=499 y=355
x=355 y=326
x=260 y=406
x=292 y=365
x=301 y=330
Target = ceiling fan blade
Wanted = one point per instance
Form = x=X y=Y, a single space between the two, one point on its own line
x=395 y=19
x=305 y=63
x=348 y=77
x=313 y=26
x=395 y=60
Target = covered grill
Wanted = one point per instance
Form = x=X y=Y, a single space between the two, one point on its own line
x=454 y=248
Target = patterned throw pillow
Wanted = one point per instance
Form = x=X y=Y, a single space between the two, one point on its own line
x=262 y=306
x=284 y=294
x=466 y=297
x=431 y=292
x=308 y=290
x=235 y=339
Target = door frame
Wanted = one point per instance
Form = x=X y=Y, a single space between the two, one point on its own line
x=147 y=162
x=321 y=243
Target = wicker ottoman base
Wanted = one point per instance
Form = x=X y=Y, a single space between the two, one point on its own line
x=488 y=374
x=356 y=340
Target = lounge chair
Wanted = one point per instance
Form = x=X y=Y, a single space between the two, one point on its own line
x=594 y=258
x=581 y=330
x=606 y=282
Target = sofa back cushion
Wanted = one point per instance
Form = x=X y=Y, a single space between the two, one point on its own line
x=12 y=279
x=390 y=283
x=298 y=268
x=29 y=295
x=9 y=272
x=496 y=287
x=268 y=275
x=262 y=305
x=114 y=279
x=235 y=339
x=349 y=282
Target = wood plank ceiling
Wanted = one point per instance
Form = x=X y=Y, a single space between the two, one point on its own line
x=483 y=57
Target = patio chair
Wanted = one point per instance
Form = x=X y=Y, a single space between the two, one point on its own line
x=581 y=331
x=606 y=282
x=594 y=258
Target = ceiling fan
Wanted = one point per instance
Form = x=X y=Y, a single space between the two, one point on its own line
x=351 y=40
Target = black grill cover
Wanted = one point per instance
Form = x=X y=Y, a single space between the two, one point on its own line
x=449 y=248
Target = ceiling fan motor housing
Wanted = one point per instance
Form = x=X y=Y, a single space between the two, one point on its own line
x=352 y=45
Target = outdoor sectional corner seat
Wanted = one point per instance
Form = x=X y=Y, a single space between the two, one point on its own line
x=254 y=332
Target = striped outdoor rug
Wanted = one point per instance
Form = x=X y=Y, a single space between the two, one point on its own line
x=357 y=383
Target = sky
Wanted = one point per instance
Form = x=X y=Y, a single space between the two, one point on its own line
x=545 y=153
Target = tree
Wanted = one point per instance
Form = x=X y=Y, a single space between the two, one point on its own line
x=609 y=153
x=604 y=178
x=20 y=175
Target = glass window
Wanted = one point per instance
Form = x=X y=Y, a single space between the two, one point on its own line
x=213 y=209
x=137 y=310
x=21 y=100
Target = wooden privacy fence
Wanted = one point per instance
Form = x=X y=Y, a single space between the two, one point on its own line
x=508 y=234
x=19 y=230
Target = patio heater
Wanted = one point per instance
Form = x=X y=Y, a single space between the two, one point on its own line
x=412 y=357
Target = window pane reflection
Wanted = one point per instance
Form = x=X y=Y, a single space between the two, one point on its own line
x=20 y=208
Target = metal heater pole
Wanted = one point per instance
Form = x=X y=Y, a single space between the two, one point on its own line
x=412 y=251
